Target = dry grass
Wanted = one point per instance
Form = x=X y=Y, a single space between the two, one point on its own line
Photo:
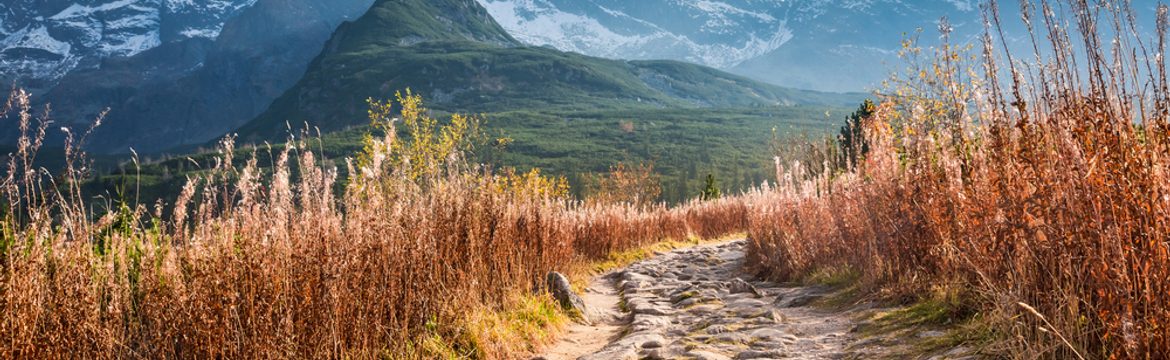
x=422 y=256
x=1037 y=187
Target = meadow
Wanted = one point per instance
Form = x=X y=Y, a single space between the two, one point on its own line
x=424 y=254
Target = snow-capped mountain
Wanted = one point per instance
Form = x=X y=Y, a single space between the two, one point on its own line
x=749 y=37
x=182 y=71
x=834 y=45
x=41 y=41
x=705 y=32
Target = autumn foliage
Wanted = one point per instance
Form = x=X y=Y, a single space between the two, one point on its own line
x=421 y=254
x=1037 y=191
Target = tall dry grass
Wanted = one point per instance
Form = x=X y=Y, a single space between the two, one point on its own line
x=251 y=263
x=1036 y=187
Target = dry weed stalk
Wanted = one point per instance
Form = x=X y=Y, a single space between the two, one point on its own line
x=256 y=264
x=1039 y=180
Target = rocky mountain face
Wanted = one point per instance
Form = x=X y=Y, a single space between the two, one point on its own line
x=204 y=82
x=42 y=41
x=832 y=45
x=705 y=32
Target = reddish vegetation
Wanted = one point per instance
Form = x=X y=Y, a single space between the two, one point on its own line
x=254 y=265
x=1045 y=202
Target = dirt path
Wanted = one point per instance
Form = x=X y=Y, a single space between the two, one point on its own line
x=602 y=299
x=695 y=303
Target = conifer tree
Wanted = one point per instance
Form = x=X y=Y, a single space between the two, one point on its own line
x=711 y=189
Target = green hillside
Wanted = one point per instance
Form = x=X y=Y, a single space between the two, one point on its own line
x=460 y=60
x=568 y=114
x=684 y=144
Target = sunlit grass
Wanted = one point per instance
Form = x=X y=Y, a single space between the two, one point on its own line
x=423 y=254
x=1033 y=192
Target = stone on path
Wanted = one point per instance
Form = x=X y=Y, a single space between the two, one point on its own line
x=738 y=286
x=559 y=285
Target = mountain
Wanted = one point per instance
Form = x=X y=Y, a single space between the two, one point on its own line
x=197 y=88
x=824 y=45
x=704 y=32
x=830 y=45
x=42 y=41
x=460 y=59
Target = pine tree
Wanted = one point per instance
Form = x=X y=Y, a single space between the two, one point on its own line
x=711 y=190
x=852 y=140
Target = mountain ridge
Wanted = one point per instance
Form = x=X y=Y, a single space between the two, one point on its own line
x=477 y=67
x=787 y=43
x=42 y=41
x=839 y=45
x=198 y=89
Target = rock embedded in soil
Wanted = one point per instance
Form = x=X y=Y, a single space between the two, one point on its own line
x=797 y=301
x=738 y=286
x=760 y=355
x=560 y=288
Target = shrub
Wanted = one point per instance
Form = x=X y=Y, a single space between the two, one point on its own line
x=638 y=185
x=710 y=189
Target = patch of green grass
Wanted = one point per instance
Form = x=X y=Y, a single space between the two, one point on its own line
x=687 y=295
x=945 y=315
x=437 y=347
x=519 y=328
x=975 y=333
x=844 y=296
x=926 y=312
x=832 y=277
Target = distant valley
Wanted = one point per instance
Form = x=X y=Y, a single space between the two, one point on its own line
x=259 y=69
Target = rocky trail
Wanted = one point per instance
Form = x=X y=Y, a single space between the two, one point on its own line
x=697 y=303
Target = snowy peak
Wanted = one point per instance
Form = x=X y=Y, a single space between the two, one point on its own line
x=166 y=68
x=120 y=28
x=761 y=36
x=201 y=18
x=705 y=32
x=31 y=50
x=36 y=38
x=45 y=40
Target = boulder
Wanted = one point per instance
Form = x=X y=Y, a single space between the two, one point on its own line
x=738 y=286
x=559 y=286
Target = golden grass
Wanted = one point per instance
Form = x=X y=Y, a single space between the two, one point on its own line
x=1035 y=189
x=422 y=255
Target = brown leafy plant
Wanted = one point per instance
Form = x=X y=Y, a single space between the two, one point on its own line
x=639 y=185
